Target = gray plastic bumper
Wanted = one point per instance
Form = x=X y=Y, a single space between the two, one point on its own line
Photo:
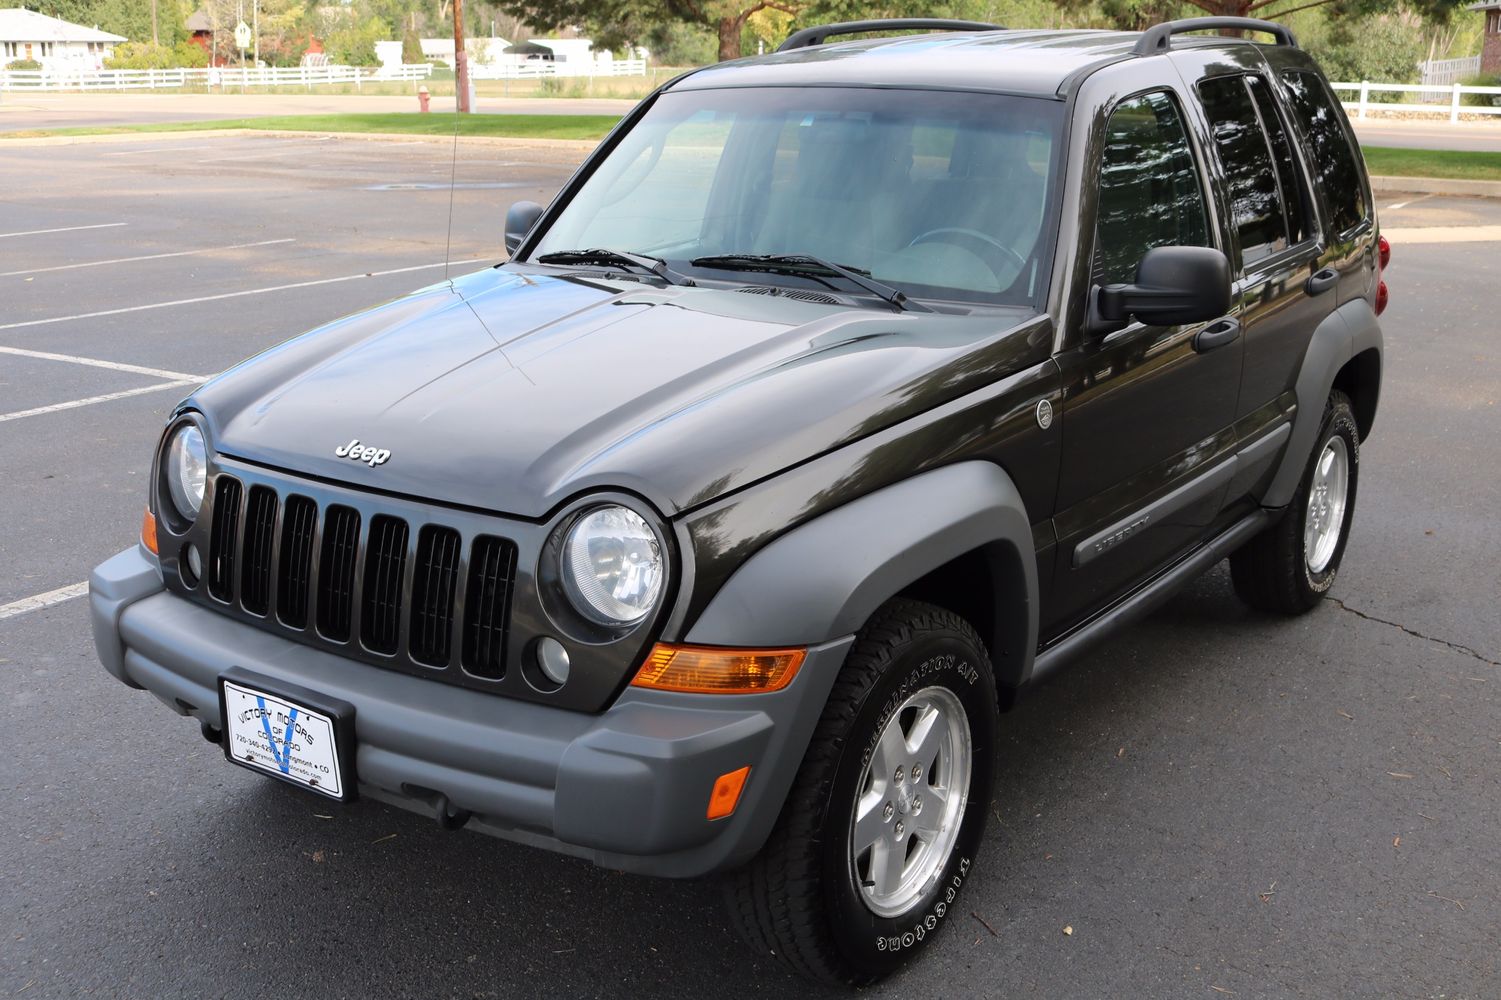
x=627 y=788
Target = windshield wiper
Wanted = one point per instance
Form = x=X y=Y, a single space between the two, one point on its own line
x=620 y=259
x=801 y=263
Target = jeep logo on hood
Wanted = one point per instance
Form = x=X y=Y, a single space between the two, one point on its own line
x=363 y=453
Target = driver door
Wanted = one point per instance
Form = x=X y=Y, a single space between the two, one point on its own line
x=1145 y=413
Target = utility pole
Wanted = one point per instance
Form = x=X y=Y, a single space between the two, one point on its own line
x=255 y=26
x=155 y=40
x=460 y=58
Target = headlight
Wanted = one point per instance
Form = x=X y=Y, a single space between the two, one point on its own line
x=612 y=566
x=187 y=467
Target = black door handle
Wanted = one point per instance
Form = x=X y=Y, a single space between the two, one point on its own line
x=1321 y=281
x=1217 y=334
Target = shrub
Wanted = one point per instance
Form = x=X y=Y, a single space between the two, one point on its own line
x=24 y=64
x=140 y=55
x=1481 y=100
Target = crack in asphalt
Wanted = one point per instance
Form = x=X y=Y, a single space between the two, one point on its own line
x=1455 y=646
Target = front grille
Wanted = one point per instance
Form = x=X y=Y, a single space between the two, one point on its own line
x=384 y=586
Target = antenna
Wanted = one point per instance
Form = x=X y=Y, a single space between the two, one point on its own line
x=461 y=93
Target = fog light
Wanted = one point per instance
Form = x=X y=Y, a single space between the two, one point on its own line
x=195 y=563
x=553 y=659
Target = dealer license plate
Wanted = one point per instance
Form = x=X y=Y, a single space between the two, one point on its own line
x=282 y=735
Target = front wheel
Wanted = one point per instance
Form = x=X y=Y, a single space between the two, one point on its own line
x=1289 y=566
x=880 y=830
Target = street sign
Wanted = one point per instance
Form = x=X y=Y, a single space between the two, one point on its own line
x=242 y=35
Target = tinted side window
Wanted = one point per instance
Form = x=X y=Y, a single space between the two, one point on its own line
x=1294 y=204
x=1255 y=201
x=1335 y=167
x=1149 y=188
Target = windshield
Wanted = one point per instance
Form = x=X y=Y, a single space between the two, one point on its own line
x=940 y=194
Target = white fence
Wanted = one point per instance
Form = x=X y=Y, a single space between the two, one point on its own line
x=216 y=78
x=1447 y=72
x=1453 y=107
x=234 y=78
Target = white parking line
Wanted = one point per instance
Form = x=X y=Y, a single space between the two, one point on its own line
x=230 y=295
x=150 y=256
x=64 y=229
x=98 y=363
x=41 y=601
x=74 y=404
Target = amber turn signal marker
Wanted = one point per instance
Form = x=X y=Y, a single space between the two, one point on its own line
x=148 y=532
x=716 y=670
x=726 y=794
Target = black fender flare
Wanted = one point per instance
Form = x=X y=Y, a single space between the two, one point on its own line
x=823 y=580
x=1350 y=330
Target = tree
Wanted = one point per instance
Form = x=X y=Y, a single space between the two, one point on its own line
x=411 y=46
x=1129 y=13
x=616 y=24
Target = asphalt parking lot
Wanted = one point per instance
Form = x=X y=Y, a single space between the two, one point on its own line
x=1217 y=803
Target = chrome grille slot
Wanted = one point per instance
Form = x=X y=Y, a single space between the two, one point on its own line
x=434 y=582
x=385 y=562
x=492 y=565
x=223 y=539
x=260 y=532
x=341 y=537
x=294 y=573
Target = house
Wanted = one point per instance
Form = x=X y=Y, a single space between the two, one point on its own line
x=201 y=33
x=440 y=50
x=57 y=45
x=1490 y=52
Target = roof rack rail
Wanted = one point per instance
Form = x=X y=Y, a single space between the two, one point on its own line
x=819 y=34
x=1159 y=37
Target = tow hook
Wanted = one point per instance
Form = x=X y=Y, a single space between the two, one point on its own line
x=449 y=816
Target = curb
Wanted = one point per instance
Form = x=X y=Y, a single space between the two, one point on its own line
x=511 y=142
x=1436 y=185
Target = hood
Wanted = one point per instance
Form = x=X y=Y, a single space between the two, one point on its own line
x=511 y=391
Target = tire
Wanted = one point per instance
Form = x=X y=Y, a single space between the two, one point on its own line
x=1288 y=567
x=798 y=899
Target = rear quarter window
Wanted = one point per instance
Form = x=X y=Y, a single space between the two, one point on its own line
x=1336 y=168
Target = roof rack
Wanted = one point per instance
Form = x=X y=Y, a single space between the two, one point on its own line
x=1159 y=38
x=821 y=33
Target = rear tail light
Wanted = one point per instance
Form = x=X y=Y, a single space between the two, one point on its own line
x=1384 y=255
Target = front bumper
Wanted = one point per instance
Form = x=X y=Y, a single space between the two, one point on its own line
x=627 y=788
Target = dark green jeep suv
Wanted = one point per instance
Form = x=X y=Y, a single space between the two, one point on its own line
x=838 y=398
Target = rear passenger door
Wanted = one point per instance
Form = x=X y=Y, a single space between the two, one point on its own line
x=1283 y=287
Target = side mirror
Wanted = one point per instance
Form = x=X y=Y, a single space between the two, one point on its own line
x=520 y=218
x=1174 y=285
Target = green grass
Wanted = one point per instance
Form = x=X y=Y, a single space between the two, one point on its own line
x=1386 y=161
x=433 y=123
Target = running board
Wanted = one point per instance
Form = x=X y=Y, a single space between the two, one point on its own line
x=1149 y=597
